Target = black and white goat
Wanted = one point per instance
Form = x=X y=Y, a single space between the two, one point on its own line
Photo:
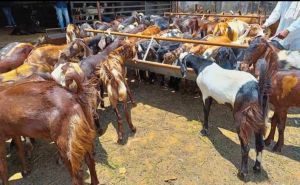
x=246 y=96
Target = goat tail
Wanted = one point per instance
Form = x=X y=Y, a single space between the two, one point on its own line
x=264 y=84
x=78 y=81
x=255 y=115
x=81 y=139
x=117 y=88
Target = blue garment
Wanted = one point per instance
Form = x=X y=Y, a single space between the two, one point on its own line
x=62 y=9
x=61 y=4
x=9 y=18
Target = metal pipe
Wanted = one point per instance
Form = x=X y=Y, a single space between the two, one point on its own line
x=197 y=14
x=171 y=39
x=164 y=69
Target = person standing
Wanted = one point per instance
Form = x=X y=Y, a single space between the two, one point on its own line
x=61 y=8
x=287 y=33
x=5 y=6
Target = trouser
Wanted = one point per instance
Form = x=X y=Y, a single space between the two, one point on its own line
x=9 y=18
x=59 y=13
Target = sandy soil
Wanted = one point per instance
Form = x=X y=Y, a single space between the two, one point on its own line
x=6 y=38
x=167 y=148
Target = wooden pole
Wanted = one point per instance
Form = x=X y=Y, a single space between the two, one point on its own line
x=195 y=14
x=99 y=12
x=171 y=39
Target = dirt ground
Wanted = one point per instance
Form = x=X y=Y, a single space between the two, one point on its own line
x=6 y=38
x=167 y=148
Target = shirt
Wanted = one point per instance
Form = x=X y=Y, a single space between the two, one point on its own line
x=292 y=41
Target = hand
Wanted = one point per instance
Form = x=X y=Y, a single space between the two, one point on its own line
x=283 y=34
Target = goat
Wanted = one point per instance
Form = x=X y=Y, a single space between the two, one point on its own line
x=240 y=90
x=13 y=55
x=88 y=65
x=77 y=49
x=51 y=109
x=41 y=59
x=232 y=29
x=285 y=84
x=73 y=32
x=83 y=33
x=112 y=76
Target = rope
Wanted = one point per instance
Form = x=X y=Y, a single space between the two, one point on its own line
x=146 y=54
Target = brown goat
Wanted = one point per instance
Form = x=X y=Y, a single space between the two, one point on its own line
x=41 y=59
x=13 y=55
x=47 y=111
x=112 y=76
x=73 y=32
x=285 y=86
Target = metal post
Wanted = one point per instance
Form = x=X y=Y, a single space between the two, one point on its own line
x=146 y=54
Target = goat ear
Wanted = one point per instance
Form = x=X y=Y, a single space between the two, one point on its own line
x=87 y=51
x=140 y=49
x=102 y=43
x=183 y=67
x=230 y=33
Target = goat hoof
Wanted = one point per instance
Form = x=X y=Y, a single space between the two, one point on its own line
x=102 y=105
x=204 y=132
x=277 y=148
x=25 y=173
x=256 y=169
x=133 y=131
x=243 y=176
x=267 y=142
x=121 y=141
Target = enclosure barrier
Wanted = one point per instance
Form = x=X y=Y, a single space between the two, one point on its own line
x=259 y=17
x=203 y=14
x=160 y=68
x=169 y=39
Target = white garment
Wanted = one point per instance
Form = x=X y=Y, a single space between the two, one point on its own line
x=286 y=15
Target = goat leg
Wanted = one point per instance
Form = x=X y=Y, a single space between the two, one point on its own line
x=130 y=94
x=29 y=146
x=101 y=95
x=274 y=121
x=90 y=161
x=281 y=128
x=3 y=163
x=21 y=154
x=206 y=108
x=128 y=118
x=120 y=127
x=259 y=145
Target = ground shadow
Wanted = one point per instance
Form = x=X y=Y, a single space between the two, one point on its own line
x=230 y=150
x=290 y=151
x=107 y=116
x=44 y=160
